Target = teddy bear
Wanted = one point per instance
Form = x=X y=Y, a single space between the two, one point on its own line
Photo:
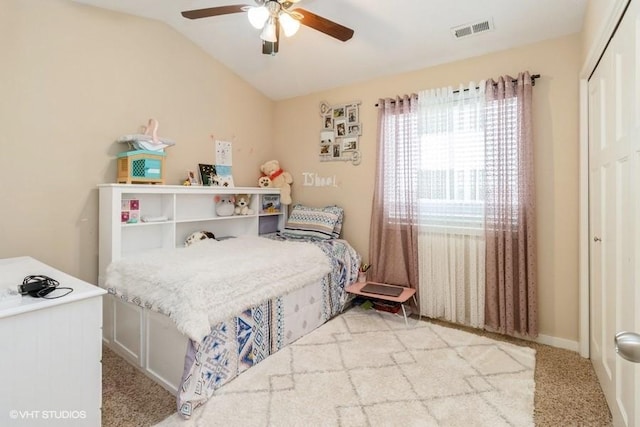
x=279 y=179
x=225 y=205
x=242 y=204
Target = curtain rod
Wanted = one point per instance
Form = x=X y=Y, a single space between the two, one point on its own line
x=533 y=83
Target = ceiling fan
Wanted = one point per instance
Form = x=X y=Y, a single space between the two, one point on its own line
x=271 y=15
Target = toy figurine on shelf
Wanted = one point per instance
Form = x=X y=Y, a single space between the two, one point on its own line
x=148 y=139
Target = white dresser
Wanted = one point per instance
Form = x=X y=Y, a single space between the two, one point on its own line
x=50 y=351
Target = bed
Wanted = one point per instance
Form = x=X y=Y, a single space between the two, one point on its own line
x=245 y=325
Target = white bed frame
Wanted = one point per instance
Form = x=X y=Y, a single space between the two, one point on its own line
x=150 y=340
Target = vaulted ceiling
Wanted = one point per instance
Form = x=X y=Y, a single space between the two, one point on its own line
x=390 y=36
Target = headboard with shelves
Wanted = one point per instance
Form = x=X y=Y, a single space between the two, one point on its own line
x=167 y=214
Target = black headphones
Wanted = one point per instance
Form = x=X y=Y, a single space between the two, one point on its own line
x=39 y=286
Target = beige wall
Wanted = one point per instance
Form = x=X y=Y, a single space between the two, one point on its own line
x=556 y=154
x=73 y=79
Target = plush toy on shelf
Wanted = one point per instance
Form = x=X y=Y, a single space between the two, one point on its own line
x=279 y=179
x=242 y=204
x=197 y=236
x=264 y=182
x=225 y=205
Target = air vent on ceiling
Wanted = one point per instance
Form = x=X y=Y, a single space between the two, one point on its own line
x=472 y=29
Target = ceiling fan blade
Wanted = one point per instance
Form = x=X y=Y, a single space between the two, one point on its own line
x=324 y=25
x=214 y=11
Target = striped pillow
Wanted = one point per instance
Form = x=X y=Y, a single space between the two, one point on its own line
x=338 y=227
x=317 y=223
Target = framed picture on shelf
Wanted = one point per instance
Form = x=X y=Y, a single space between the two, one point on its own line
x=207 y=174
x=193 y=178
x=223 y=176
x=270 y=203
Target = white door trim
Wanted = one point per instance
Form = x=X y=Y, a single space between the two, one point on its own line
x=583 y=236
x=597 y=48
x=602 y=37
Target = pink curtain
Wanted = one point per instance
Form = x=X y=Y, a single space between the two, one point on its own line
x=393 y=243
x=511 y=296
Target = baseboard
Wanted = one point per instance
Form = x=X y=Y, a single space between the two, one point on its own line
x=558 y=342
x=562 y=343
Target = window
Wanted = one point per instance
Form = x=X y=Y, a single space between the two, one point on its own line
x=451 y=183
x=446 y=151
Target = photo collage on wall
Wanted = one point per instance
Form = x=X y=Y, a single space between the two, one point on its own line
x=341 y=129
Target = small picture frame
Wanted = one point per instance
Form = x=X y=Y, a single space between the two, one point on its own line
x=354 y=130
x=324 y=149
x=336 y=152
x=270 y=203
x=352 y=114
x=193 y=178
x=349 y=144
x=338 y=113
x=327 y=137
x=207 y=174
x=341 y=128
x=328 y=122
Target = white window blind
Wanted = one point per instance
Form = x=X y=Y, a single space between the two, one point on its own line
x=451 y=184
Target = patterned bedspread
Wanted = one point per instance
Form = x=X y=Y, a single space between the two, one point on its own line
x=242 y=341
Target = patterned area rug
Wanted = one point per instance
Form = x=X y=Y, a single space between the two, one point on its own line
x=367 y=368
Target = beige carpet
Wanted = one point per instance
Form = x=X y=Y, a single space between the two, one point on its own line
x=129 y=398
x=366 y=368
x=567 y=392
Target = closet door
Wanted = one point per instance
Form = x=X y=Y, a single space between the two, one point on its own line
x=614 y=208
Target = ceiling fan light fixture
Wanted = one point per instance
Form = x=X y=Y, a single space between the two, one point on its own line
x=290 y=25
x=269 y=31
x=258 y=16
x=269 y=15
